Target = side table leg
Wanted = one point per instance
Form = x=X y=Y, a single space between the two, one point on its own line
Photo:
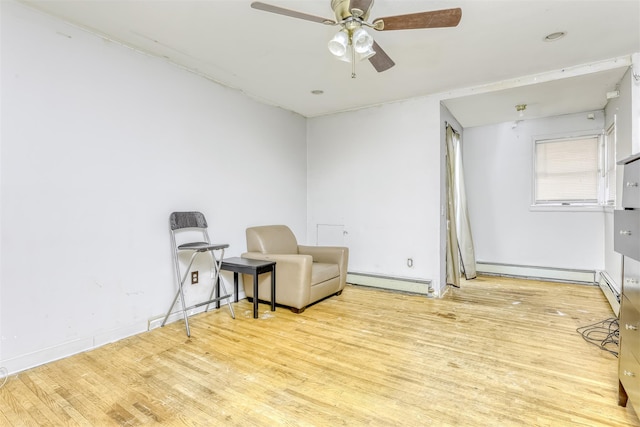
x=235 y=285
x=218 y=292
x=273 y=288
x=255 y=295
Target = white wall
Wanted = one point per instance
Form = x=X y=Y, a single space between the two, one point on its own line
x=498 y=173
x=622 y=109
x=634 y=81
x=99 y=144
x=376 y=171
x=618 y=110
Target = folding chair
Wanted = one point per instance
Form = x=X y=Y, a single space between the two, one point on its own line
x=195 y=221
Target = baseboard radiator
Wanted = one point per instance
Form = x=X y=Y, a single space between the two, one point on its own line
x=610 y=291
x=415 y=286
x=587 y=277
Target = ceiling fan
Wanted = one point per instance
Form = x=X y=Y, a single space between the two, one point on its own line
x=352 y=42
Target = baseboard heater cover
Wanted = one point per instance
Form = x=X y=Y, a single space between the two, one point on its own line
x=610 y=292
x=392 y=283
x=538 y=273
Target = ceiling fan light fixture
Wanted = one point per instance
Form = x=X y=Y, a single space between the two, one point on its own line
x=352 y=15
x=347 y=57
x=339 y=44
x=359 y=56
x=366 y=54
x=362 y=41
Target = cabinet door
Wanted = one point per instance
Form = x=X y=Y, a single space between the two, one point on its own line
x=626 y=237
x=631 y=282
x=630 y=326
x=631 y=185
x=629 y=374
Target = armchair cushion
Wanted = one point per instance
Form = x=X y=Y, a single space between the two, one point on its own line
x=321 y=272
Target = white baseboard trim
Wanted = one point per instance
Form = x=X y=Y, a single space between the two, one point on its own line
x=535 y=272
x=69 y=348
x=392 y=283
x=610 y=292
x=156 y=322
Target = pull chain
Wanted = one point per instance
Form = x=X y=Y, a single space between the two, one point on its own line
x=353 y=58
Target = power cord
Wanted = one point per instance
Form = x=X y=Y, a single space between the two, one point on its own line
x=604 y=334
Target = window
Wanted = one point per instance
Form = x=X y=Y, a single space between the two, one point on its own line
x=574 y=171
x=610 y=169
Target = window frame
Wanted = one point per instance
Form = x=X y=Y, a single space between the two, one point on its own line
x=603 y=176
x=609 y=163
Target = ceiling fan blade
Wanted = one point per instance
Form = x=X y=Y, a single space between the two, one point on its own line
x=380 y=61
x=292 y=13
x=432 y=19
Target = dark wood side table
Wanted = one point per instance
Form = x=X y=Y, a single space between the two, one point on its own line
x=255 y=268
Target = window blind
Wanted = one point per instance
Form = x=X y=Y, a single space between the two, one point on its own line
x=566 y=170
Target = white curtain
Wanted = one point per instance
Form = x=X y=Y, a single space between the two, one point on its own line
x=460 y=253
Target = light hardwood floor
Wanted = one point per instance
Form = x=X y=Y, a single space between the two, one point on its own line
x=497 y=352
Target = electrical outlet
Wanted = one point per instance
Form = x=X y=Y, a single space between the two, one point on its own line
x=194 y=277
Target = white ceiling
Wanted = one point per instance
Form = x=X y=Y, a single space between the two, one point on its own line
x=280 y=60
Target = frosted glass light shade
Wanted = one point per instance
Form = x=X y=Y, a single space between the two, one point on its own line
x=362 y=41
x=366 y=54
x=338 y=44
x=347 y=57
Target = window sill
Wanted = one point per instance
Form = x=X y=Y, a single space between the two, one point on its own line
x=568 y=208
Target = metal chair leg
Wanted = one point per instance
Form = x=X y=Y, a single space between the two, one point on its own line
x=217 y=264
x=180 y=293
x=224 y=288
x=176 y=266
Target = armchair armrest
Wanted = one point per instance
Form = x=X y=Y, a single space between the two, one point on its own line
x=330 y=255
x=326 y=254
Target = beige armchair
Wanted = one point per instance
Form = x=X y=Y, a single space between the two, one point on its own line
x=304 y=274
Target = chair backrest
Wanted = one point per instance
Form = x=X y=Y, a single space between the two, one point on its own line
x=271 y=239
x=178 y=220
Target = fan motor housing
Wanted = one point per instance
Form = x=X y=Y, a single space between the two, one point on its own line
x=342 y=9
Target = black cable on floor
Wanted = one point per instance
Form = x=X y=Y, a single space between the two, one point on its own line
x=604 y=334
